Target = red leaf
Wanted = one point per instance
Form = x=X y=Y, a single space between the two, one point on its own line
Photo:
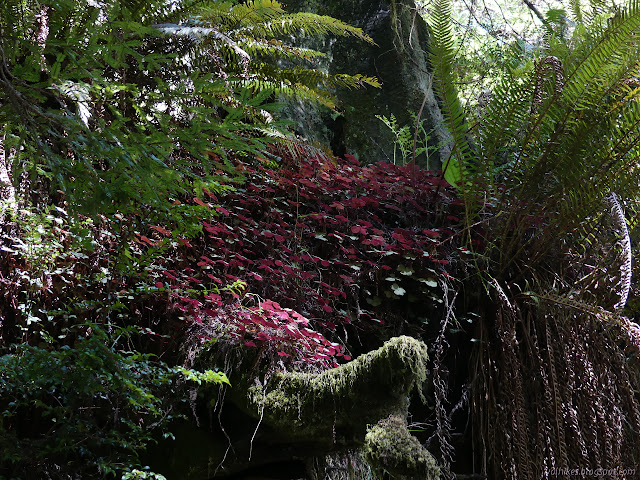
x=249 y=344
x=161 y=230
x=270 y=305
x=441 y=262
x=185 y=242
x=282 y=354
x=376 y=241
x=213 y=197
x=200 y=202
x=147 y=240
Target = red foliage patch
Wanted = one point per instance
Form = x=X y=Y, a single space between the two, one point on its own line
x=327 y=243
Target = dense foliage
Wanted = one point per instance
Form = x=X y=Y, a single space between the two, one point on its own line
x=113 y=104
x=114 y=110
x=154 y=207
x=359 y=257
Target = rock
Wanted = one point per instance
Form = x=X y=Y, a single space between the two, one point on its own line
x=399 y=61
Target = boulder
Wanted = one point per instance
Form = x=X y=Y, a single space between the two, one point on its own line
x=399 y=61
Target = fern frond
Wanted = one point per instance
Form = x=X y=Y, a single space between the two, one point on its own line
x=442 y=55
x=601 y=67
x=312 y=24
x=291 y=90
x=312 y=78
x=575 y=6
x=502 y=127
x=244 y=14
x=267 y=19
x=277 y=49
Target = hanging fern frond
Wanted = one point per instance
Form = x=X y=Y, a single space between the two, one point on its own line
x=277 y=49
x=249 y=38
x=442 y=56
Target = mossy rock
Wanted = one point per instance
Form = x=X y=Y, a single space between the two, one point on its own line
x=389 y=447
x=399 y=60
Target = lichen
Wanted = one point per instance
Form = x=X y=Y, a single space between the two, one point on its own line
x=389 y=447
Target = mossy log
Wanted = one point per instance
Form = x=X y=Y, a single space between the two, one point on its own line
x=361 y=405
x=335 y=409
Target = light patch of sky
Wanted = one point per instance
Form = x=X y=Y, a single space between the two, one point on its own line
x=504 y=20
x=486 y=32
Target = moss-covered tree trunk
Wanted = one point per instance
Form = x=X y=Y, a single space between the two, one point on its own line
x=359 y=406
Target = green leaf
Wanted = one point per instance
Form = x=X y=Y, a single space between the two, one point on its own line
x=398 y=290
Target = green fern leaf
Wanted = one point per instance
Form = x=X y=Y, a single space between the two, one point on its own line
x=442 y=55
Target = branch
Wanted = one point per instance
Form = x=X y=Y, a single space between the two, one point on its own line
x=536 y=12
x=335 y=409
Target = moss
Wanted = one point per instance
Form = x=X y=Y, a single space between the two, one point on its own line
x=334 y=407
x=389 y=447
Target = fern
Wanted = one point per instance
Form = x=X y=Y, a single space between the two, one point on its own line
x=249 y=37
x=121 y=101
x=442 y=55
x=556 y=160
x=536 y=134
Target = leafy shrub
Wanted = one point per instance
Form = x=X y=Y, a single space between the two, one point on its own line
x=315 y=247
x=84 y=409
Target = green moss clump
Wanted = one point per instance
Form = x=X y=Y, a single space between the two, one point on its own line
x=334 y=407
x=389 y=447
